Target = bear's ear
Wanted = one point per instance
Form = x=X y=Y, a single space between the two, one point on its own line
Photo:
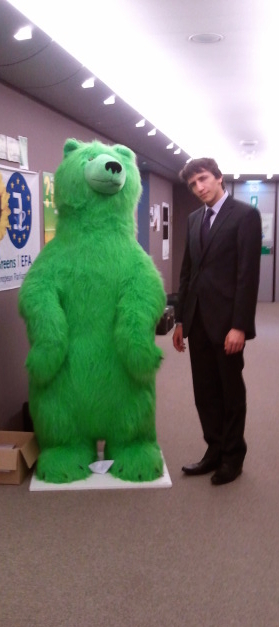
x=125 y=151
x=70 y=145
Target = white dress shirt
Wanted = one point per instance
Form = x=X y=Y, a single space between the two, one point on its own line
x=216 y=208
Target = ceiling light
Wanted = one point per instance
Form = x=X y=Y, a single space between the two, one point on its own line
x=254 y=184
x=140 y=123
x=236 y=176
x=152 y=132
x=177 y=151
x=24 y=33
x=110 y=100
x=206 y=38
x=90 y=82
x=169 y=146
x=269 y=176
x=249 y=147
x=249 y=143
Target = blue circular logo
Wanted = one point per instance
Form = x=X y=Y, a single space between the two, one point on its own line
x=20 y=205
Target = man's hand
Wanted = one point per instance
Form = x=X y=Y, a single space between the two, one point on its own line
x=234 y=341
x=177 y=338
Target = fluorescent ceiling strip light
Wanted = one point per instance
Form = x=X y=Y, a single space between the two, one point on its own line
x=110 y=100
x=24 y=33
x=140 y=123
x=90 y=82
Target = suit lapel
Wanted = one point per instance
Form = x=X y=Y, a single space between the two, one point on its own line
x=196 y=230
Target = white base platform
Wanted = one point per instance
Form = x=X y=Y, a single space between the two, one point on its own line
x=101 y=482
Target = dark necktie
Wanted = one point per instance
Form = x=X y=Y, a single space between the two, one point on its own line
x=205 y=227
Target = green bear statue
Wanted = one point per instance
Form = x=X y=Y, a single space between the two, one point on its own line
x=91 y=302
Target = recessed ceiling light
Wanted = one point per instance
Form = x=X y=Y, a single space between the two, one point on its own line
x=140 y=123
x=177 y=151
x=249 y=147
x=169 y=146
x=206 y=38
x=249 y=143
x=24 y=33
x=152 y=132
x=90 y=82
x=110 y=100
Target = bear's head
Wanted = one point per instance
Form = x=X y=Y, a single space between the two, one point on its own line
x=97 y=185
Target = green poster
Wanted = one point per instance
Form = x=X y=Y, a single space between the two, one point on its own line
x=50 y=212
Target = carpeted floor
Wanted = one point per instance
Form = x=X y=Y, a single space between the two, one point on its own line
x=194 y=555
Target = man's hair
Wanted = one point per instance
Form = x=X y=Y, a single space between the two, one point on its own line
x=195 y=166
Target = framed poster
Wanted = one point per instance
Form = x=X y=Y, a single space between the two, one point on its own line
x=50 y=211
x=19 y=225
x=166 y=246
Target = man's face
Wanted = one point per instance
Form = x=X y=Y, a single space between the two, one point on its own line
x=206 y=187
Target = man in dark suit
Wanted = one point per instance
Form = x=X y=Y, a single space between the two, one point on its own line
x=216 y=310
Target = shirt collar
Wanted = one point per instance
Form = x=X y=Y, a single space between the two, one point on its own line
x=219 y=203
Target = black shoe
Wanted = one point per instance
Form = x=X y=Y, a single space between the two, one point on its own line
x=201 y=468
x=225 y=474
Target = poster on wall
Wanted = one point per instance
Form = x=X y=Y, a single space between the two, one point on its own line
x=154 y=217
x=50 y=211
x=267 y=233
x=19 y=225
x=166 y=242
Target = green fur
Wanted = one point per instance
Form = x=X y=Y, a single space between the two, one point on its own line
x=91 y=302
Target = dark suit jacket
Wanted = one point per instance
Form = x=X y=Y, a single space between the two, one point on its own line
x=224 y=277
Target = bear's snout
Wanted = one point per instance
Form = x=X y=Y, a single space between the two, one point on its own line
x=105 y=174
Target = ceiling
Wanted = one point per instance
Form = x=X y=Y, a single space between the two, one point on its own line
x=210 y=99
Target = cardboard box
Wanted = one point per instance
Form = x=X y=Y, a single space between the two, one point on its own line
x=18 y=452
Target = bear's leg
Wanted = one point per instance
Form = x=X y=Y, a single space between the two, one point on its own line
x=65 y=452
x=134 y=448
x=137 y=461
x=64 y=463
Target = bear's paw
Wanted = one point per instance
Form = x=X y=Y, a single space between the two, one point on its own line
x=65 y=464
x=141 y=461
x=44 y=362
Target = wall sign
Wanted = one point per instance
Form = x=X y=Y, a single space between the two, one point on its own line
x=166 y=241
x=50 y=212
x=19 y=225
x=267 y=233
